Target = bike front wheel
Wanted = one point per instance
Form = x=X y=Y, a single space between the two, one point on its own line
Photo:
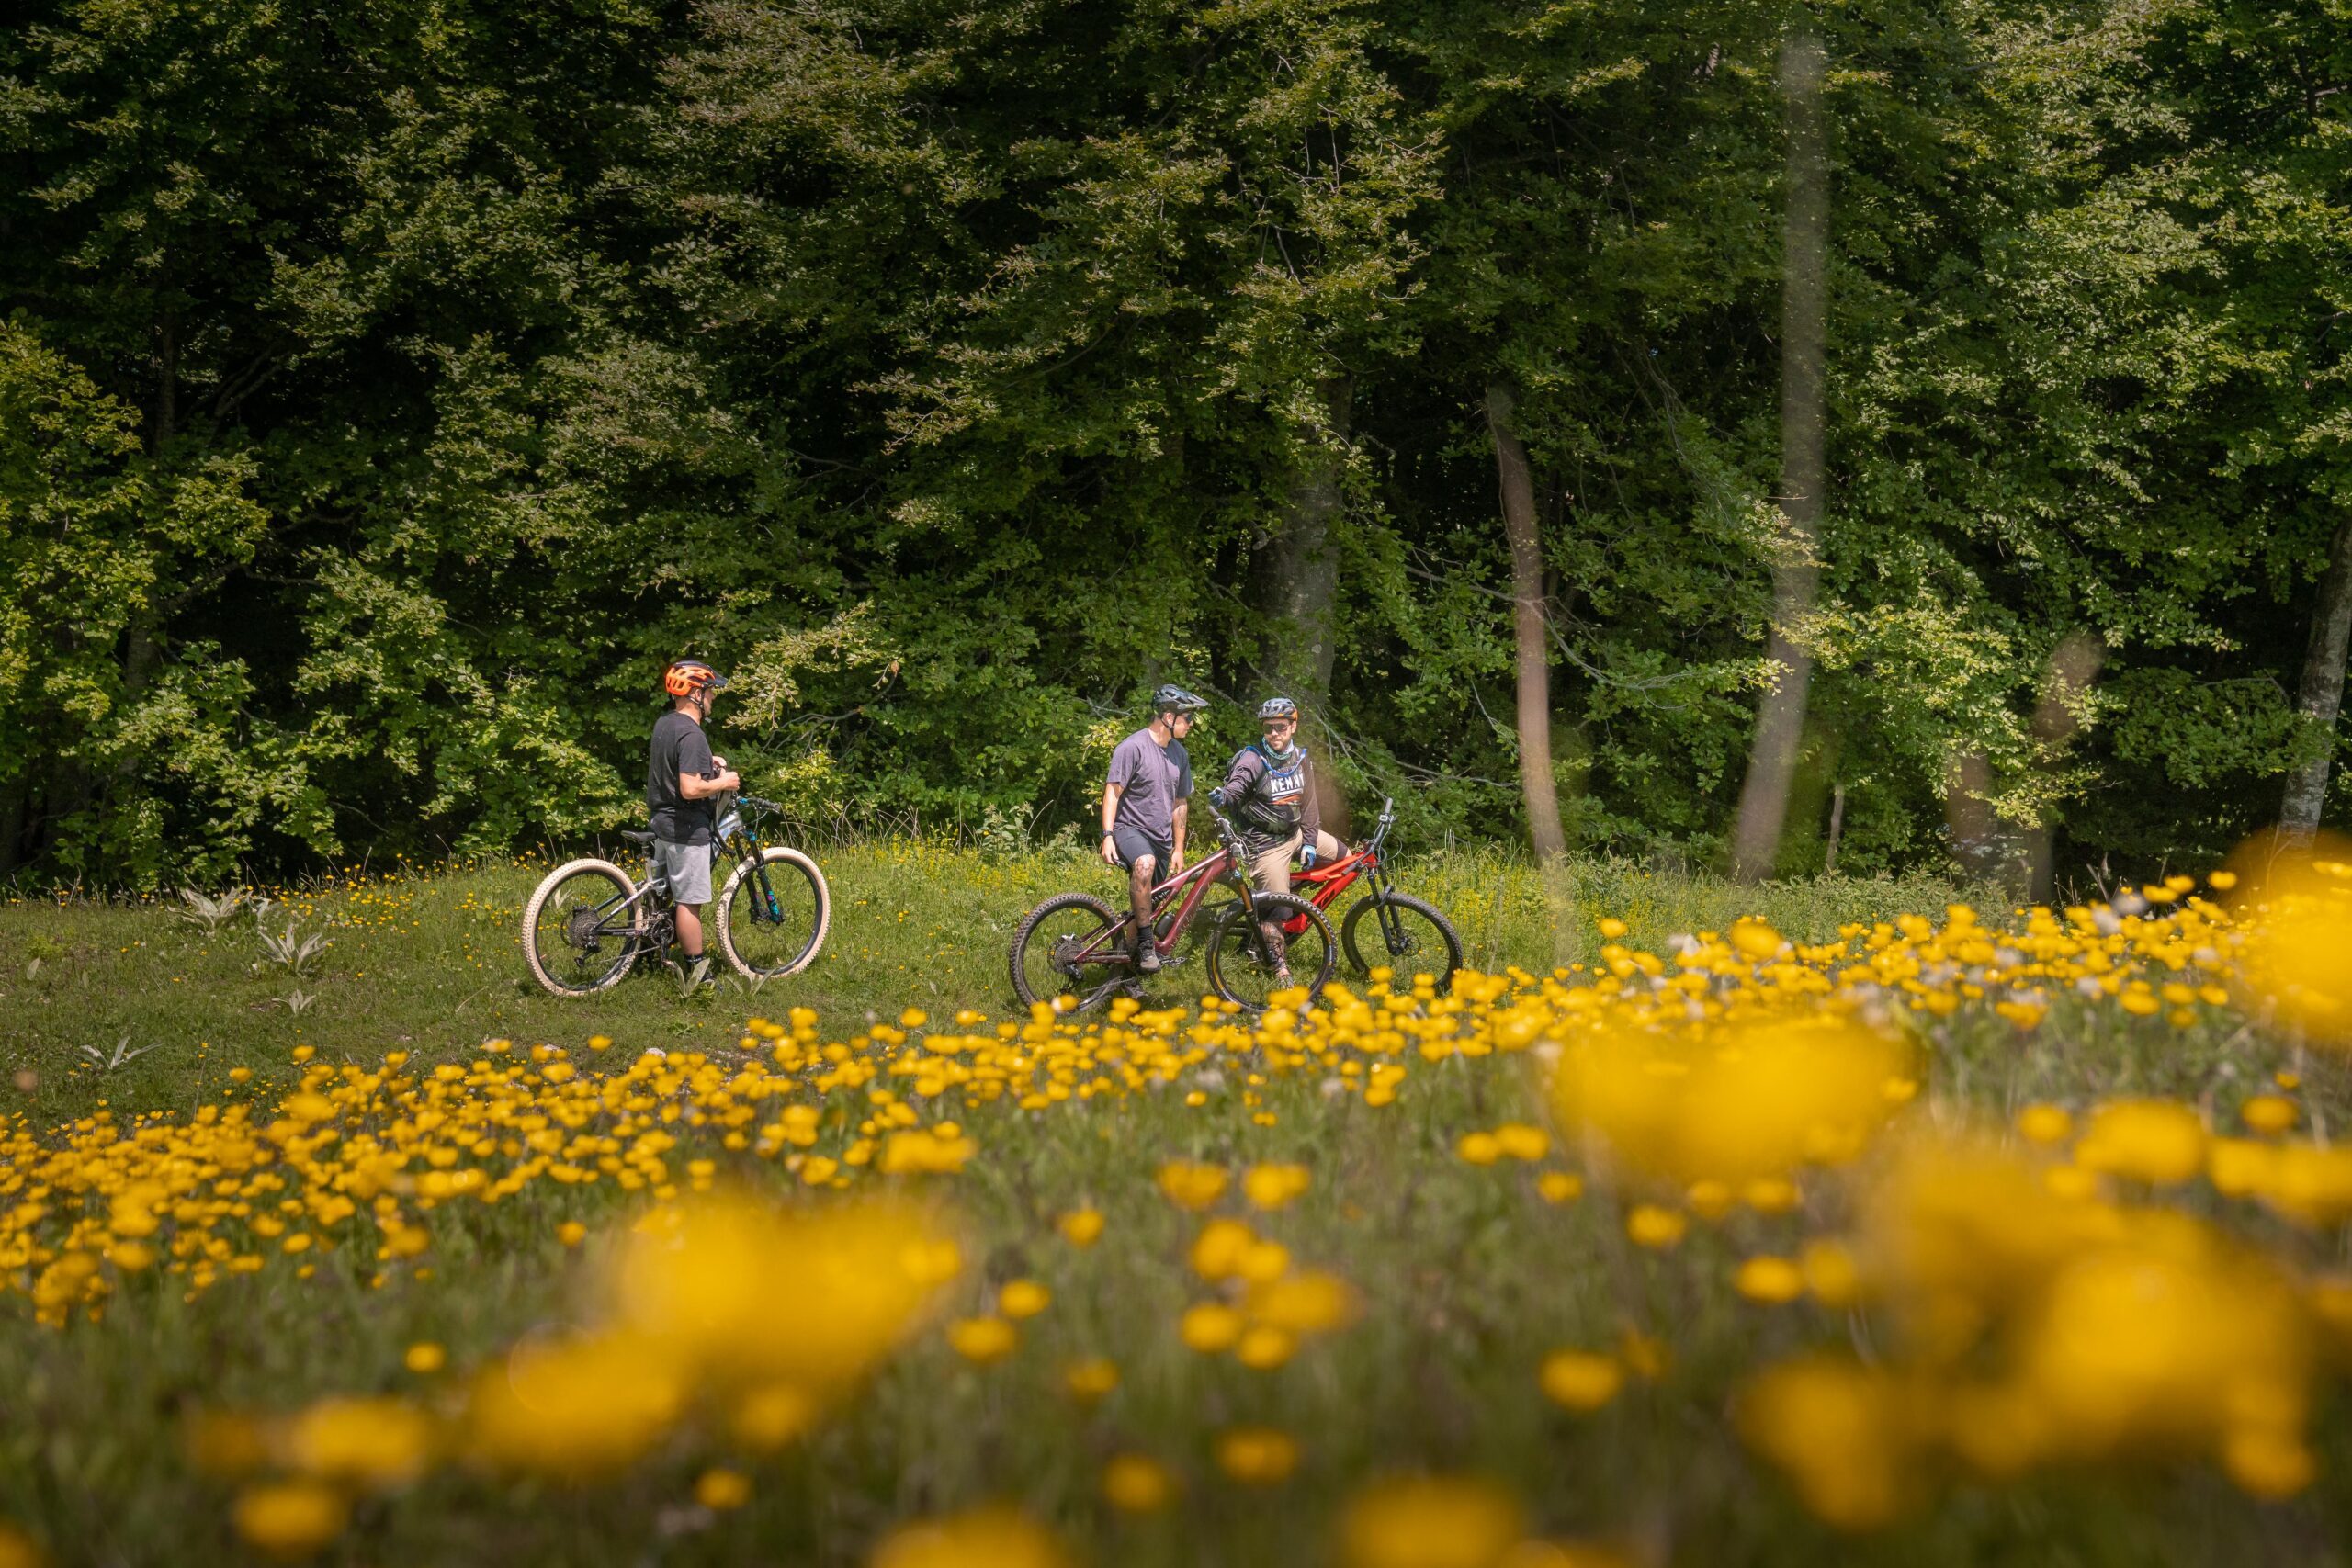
x=773 y=915
x=1243 y=965
x=1408 y=935
x=1069 y=945
x=582 y=928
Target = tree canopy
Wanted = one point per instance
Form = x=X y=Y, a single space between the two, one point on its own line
x=388 y=390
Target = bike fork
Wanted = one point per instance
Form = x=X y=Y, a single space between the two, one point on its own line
x=1392 y=924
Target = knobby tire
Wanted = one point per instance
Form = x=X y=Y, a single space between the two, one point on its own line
x=582 y=983
x=1375 y=949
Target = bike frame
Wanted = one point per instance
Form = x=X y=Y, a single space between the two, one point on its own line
x=1109 y=947
x=738 y=836
x=1324 y=883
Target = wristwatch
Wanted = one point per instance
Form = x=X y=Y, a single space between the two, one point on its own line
x=1109 y=831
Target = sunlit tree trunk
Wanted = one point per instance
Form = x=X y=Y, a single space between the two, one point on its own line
x=2056 y=718
x=1780 y=718
x=1531 y=635
x=2321 y=695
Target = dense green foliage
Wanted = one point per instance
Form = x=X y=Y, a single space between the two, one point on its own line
x=388 y=389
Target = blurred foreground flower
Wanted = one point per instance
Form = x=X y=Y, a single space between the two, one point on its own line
x=1429 y=1521
x=2034 y=1329
x=983 y=1538
x=2297 y=956
x=766 y=1311
x=291 y=1519
x=1758 y=1098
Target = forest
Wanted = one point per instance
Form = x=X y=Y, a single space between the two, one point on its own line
x=390 y=390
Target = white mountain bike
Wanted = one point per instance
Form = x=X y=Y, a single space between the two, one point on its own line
x=589 y=924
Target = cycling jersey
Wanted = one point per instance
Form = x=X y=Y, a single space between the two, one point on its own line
x=1272 y=799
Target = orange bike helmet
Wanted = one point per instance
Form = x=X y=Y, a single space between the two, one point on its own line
x=688 y=676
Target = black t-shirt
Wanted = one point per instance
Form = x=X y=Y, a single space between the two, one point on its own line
x=679 y=746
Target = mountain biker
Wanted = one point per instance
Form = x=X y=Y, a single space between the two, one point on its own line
x=681 y=779
x=1270 y=787
x=1145 y=800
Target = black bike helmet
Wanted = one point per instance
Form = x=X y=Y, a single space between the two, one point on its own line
x=1176 y=699
x=1277 y=707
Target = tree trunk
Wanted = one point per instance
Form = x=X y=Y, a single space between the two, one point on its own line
x=167 y=419
x=1294 y=578
x=1976 y=841
x=2321 y=696
x=1780 y=718
x=2074 y=665
x=1837 y=828
x=12 y=824
x=1530 y=628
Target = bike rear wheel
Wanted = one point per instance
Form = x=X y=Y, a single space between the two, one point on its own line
x=581 y=931
x=1242 y=966
x=1410 y=936
x=1068 y=946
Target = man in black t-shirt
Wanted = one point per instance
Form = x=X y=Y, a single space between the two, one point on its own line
x=681 y=779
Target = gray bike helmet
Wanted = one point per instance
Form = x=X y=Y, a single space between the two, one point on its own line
x=1277 y=707
x=1176 y=699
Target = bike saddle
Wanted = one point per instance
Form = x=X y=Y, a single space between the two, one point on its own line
x=636 y=837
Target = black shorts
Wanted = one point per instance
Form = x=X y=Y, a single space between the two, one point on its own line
x=1134 y=843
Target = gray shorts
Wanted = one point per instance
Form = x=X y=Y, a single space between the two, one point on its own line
x=687 y=866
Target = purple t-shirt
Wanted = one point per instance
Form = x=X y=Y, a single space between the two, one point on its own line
x=1151 y=778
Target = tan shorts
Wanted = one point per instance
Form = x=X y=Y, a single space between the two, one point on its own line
x=1270 y=872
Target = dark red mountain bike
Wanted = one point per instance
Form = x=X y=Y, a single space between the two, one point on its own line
x=1076 y=945
x=1407 y=934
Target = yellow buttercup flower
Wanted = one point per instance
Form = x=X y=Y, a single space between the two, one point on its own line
x=1429 y=1521
x=290 y=1518
x=1136 y=1484
x=1772 y=1280
x=1580 y=1379
x=1257 y=1456
x=575 y=1407
x=1842 y=1435
x=1191 y=1186
x=364 y=1442
x=2157 y=1141
x=1271 y=1187
x=1211 y=1326
x=982 y=1538
x=1020 y=1299
x=1090 y=1379
x=1648 y=1224
x=773 y=1414
x=983 y=1340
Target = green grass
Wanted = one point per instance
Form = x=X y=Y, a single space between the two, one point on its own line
x=1469 y=1277
x=432 y=962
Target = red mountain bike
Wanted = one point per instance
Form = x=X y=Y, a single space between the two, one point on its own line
x=1074 y=944
x=1408 y=935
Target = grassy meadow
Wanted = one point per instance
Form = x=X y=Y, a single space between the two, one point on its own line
x=399 y=1260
